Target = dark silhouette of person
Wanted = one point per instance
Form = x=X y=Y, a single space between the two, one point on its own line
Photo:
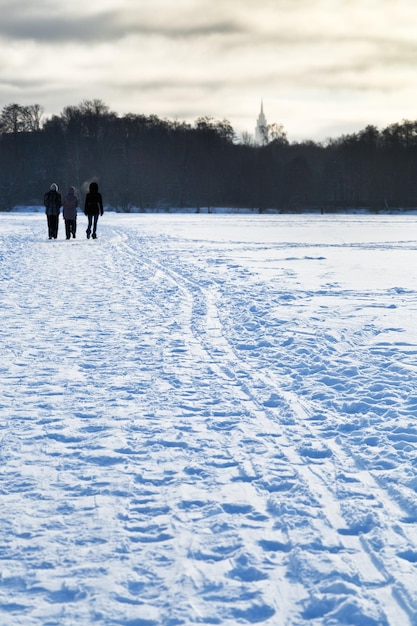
x=52 y=201
x=93 y=207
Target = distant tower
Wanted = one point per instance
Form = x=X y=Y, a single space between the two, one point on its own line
x=260 y=127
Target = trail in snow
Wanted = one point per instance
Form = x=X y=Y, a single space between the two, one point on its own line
x=209 y=419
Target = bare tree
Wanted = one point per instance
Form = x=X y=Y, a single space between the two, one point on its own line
x=15 y=118
x=12 y=119
x=276 y=133
x=32 y=115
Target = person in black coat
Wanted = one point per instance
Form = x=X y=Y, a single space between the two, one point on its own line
x=52 y=202
x=93 y=207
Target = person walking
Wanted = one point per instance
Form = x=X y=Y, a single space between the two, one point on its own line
x=52 y=201
x=69 y=212
x=93 y=207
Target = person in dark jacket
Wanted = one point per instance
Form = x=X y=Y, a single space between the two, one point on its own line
x=93 y=207
x=52 y=201
x=69 y=212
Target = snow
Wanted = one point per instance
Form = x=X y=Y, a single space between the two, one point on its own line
x=209 y=419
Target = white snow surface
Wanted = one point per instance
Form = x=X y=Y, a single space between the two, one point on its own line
x=209 y=419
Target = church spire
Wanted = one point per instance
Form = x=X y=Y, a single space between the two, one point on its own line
x=261 y=124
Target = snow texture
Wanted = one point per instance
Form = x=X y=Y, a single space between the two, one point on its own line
x=209 y=419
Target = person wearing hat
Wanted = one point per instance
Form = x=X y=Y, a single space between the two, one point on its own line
x=69 y=212
x=52 y=202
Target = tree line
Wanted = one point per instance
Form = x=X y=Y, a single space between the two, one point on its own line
x=147 y=163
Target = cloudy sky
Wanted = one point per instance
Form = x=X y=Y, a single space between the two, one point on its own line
x=321 y=67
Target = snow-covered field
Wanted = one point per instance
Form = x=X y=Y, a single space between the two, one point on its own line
x=209 y=419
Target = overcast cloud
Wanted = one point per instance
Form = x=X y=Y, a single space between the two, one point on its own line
x=322 y=67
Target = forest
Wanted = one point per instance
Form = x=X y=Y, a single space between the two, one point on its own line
x=147 y=163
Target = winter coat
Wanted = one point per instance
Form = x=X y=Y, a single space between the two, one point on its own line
x=93 y=201
x=52 y=201
x=69 y=204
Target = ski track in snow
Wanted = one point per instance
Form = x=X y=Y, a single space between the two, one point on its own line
x=199 y=425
